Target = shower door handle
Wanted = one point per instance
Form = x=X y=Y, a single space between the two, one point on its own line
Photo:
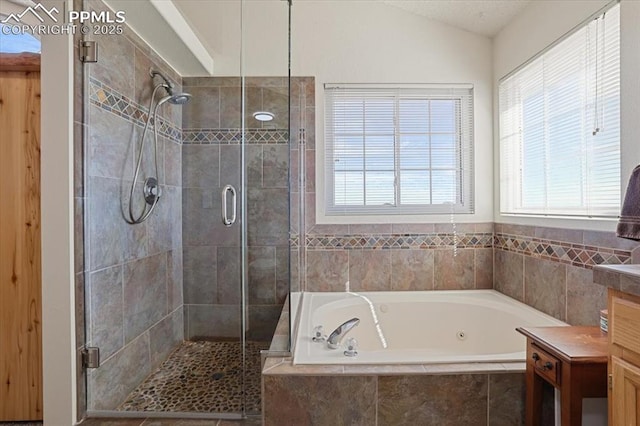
x=225 y=217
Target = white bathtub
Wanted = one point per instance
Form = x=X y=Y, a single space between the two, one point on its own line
x=417 y=327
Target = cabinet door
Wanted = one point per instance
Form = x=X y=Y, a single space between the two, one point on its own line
x=625 y=393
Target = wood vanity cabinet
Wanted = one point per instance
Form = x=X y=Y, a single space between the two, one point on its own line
x=624 y=359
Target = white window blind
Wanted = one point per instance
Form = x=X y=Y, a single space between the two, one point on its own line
x=560 y=127
x=398 y=150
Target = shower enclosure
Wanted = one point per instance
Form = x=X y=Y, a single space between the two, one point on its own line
x=183 y=204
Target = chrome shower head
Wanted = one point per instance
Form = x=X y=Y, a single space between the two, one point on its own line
x=175 y=98
x=179 y=98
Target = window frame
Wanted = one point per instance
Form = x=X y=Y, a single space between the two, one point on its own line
x=511 y=201
x=464 y=135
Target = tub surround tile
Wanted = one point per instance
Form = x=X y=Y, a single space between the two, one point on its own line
x=373 y=228
x=327 y=270
x=583 y=255
x=483 y=268
x=401 y=400
x=575 y=236
x=454 y=269
x=584 y=298
x=509 y=274
x=412 y=269
x=289 y=399
x=506 y=399
x=545 y=286
x=457 y=228
x=370 y=270
x=413 y=228
x=609 y=239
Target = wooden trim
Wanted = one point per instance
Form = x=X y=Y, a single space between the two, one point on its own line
x=20 y=61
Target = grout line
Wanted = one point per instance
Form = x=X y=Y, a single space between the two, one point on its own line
x=488 y=399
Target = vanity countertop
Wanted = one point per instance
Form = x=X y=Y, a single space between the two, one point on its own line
x=622 y=277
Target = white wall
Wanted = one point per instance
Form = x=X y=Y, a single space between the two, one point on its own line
x=58 y=319
x=539 y=25
x=355 y=42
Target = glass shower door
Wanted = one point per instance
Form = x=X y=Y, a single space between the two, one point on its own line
x=181 y=303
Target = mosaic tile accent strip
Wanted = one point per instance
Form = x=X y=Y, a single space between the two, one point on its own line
x=203 y=377
x=294 y=241
x=398 y=241
x=563 y=252
x=234 y=136
x=110 y=100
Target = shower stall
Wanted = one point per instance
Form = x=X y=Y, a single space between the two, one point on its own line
x=187 y=195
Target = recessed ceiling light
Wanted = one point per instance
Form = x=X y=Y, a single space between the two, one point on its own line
x=263 y=115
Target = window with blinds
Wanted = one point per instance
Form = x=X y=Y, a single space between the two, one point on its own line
x=560 y=127
x=398 y=150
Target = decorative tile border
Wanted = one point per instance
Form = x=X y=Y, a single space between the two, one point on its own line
x=233 y=136
x=398 y=241
x=572 y=254
x=110 y=100
x=557 y=251
x=294 y=241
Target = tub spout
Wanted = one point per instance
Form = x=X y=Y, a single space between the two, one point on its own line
x=338 y=334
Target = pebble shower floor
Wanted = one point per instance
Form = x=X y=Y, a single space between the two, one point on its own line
x=204 y=377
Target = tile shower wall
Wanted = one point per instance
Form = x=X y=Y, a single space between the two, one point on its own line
x=551 y=269
x=211 y=160
x=133 y=273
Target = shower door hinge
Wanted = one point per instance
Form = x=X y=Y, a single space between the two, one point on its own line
x=88 y=51
x=91 y=357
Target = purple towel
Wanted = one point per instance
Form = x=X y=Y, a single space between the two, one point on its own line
x=629 y=224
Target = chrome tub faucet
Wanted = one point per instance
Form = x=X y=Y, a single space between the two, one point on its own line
x=338 y=334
